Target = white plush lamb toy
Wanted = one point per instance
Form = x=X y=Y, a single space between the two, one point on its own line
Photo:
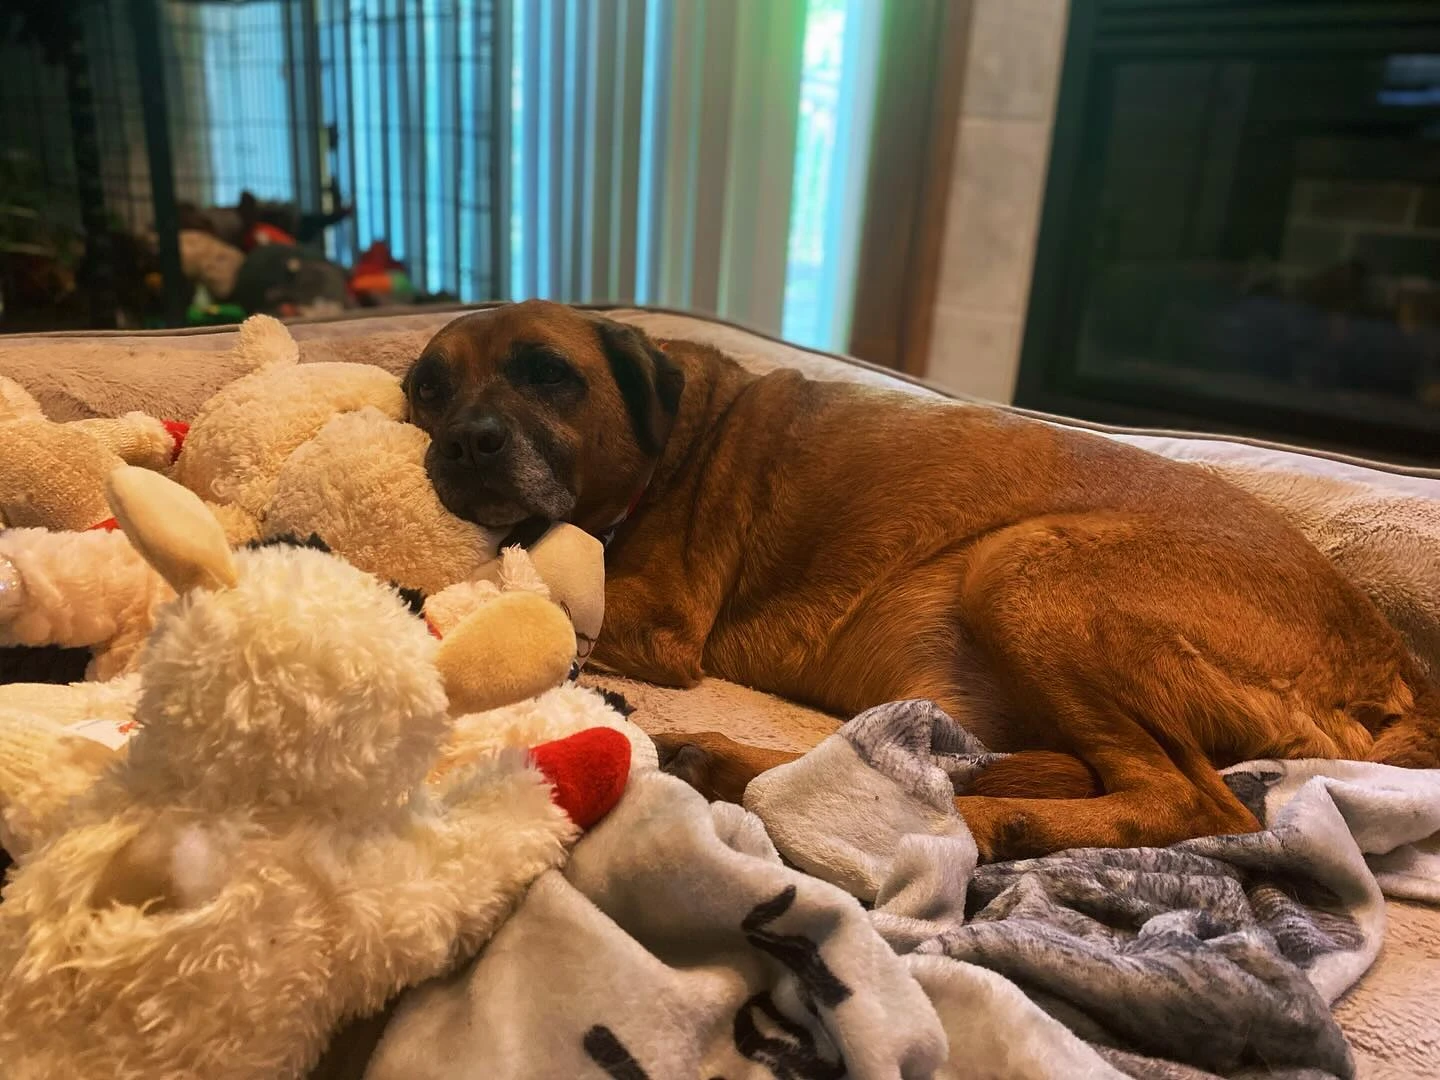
x=268 y=858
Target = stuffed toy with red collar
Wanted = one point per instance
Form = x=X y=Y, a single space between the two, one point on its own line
x=310 y=454
x=52 y=475
x=276 y=853
x=52 y=493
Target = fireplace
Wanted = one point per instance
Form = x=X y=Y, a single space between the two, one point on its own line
x=1241 y=228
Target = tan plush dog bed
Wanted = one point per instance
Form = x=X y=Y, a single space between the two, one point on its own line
x=1380 y=524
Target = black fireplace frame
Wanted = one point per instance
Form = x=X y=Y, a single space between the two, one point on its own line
x=1102 y=33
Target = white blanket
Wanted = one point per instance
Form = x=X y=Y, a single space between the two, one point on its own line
x=678 y=943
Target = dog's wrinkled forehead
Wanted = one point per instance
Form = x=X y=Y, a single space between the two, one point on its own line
x=581 y=369
x=480 y=345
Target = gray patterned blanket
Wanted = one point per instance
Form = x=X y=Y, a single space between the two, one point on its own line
x=676 y=943
x=1215 y=957
x=841 y=928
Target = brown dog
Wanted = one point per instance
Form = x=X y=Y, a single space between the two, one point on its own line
x=1125 y=623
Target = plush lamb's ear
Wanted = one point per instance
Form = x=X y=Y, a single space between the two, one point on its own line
x=514 y=647
x=264 y=343
x=571 y=562
x=171 y=529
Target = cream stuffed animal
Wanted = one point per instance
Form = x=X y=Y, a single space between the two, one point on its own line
x=242 y=436
x=288 y=449
x=355 y=478
x=53 y=475
x=54 y=740
x=268 y=859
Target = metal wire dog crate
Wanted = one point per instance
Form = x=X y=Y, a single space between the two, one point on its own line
x=118 y=117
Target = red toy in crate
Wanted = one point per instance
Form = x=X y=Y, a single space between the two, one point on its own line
x=379 y=278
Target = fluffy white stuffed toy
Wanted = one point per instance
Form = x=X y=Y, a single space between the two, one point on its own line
x=268 y=858
x=53 y=475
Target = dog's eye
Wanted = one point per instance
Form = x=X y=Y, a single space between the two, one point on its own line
x=548 y=370
x=427 y=382
x=544 y=370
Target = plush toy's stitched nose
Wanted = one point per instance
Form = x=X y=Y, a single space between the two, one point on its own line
x=477 y=441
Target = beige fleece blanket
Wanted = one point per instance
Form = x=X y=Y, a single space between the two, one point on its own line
x=1380 y=525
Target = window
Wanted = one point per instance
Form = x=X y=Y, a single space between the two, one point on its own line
x=563 y=149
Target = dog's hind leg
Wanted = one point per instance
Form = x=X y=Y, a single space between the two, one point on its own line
x=1142 y=792
x=1037 y=774
x=1116 y=686
x=1150 y=801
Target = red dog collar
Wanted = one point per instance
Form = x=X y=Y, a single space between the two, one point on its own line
x=614 y=527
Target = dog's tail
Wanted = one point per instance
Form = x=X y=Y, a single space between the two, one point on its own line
x=1412 y=738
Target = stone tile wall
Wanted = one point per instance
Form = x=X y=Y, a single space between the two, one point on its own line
x=1011 y=77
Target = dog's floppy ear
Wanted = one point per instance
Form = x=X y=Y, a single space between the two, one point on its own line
x=650 y=383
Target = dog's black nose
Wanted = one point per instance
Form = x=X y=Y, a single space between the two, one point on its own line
x=477 y=441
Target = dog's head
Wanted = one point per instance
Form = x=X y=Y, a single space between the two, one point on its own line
x=537 y=410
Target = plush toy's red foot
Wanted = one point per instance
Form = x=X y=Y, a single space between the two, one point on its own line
x=587 y=770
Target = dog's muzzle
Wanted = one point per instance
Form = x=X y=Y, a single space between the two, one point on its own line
x=487 y=470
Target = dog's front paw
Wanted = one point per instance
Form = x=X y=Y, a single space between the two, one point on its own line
x=1001 y=830
x=688 y=761
x=716 y=765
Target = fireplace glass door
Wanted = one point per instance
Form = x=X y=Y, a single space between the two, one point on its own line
x=1244 y=233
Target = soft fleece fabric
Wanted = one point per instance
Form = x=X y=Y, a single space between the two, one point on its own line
x=1210 y=958
x=676 y=943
